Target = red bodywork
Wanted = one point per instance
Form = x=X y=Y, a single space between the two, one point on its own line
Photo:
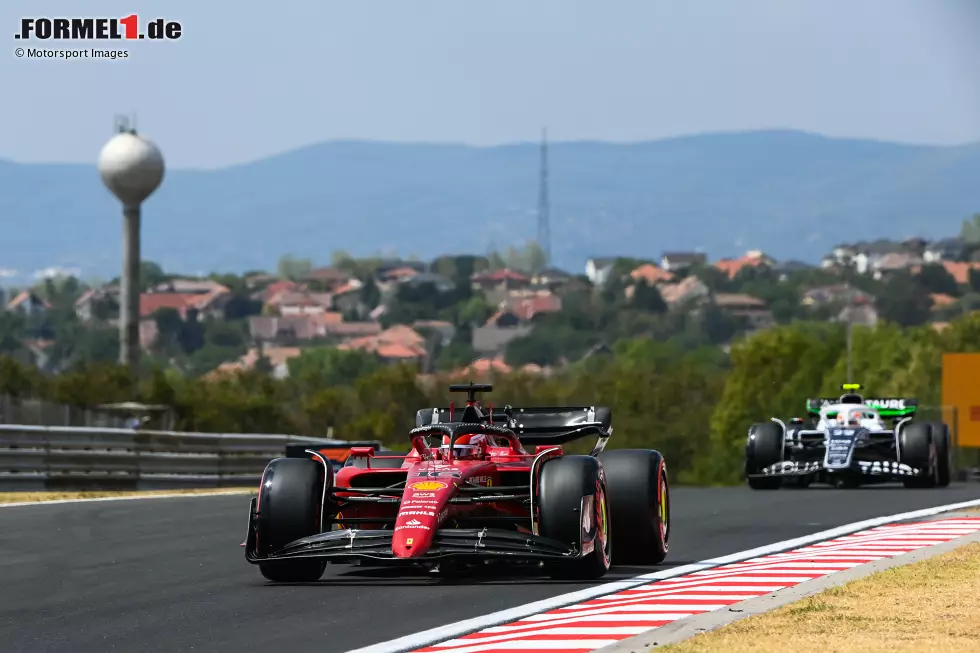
x=433 y=480
x=431 y=505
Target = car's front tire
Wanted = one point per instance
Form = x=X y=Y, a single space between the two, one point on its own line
x=289 y=508
x=565 y=485
x=764 y=448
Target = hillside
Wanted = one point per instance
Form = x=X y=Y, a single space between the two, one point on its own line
x=789 y=193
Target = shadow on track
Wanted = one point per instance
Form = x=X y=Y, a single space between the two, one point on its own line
x=879 y=487
x=395 y=577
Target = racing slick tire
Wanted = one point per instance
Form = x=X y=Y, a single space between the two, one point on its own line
x=289 y=509
x=764 y=448
x=565 y=484
x=918 y=450
x=639 y=501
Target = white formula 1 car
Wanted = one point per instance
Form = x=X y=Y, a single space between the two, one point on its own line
x=850 y=445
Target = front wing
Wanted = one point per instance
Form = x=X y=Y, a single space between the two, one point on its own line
x=840 y=451
x=875 y=468
x=375 y=545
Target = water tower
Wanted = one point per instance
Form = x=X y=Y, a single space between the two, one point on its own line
x=131 y=167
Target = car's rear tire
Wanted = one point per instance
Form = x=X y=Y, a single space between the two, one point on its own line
x=763 y=449
x=289 y=509
x=564 y=485
x=916 y=449
x=639 y=499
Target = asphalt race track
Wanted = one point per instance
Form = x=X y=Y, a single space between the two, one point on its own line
x=168 y=575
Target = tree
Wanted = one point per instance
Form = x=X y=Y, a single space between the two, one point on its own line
x=13 y=331
x=549 y=346
x=328 y=367
x=370 y=294
x=515 y=259
x=293 y=268
x=648 y=298
x=460 y=269
x=456 y=355
x=717 y=325
x=151 y=275
x=240 y=306
x=192 y=335
x=936 y=279
x=974 y=280
x=340 y=258
x=970 y=232
x=476 y=310
x=495 y=261
x=772 y=372
x=169 y=325
x=715 y=279
x=535 y=258
x=233 y=282
x=904 y=300
x=95 y=345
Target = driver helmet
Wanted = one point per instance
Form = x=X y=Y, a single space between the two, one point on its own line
x=467 y=447
x=854 y=418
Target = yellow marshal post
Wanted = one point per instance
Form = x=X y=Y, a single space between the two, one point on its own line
x=961 y=389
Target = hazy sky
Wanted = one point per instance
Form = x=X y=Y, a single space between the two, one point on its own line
x=249 y=78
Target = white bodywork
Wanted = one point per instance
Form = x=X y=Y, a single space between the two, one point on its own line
x=838 y=426
x=853 y=415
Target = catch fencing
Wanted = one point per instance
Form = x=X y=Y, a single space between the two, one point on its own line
x=36 y=457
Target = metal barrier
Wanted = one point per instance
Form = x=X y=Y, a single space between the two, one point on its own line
x=51 y=457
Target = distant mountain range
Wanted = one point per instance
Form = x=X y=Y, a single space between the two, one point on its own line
x=791 y=194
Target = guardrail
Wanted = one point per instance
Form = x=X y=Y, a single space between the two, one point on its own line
x=52 y=457
x=36 y=457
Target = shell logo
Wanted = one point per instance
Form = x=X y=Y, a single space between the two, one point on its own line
x=428 y=485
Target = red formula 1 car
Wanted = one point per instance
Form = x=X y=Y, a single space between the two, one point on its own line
x=468 y=492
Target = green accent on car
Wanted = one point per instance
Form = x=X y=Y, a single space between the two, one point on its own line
x=897 y=412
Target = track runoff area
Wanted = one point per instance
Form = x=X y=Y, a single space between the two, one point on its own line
x=604 y=615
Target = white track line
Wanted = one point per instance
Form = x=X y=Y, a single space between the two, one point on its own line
x=128 y=497
x=466 y=626
x=615 y=616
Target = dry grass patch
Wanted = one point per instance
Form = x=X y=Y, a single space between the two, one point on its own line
x=931 y=606
x=23 y=497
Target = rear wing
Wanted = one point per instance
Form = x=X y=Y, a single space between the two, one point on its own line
x=887 y=406
x=539 y=425
x=336 y=452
